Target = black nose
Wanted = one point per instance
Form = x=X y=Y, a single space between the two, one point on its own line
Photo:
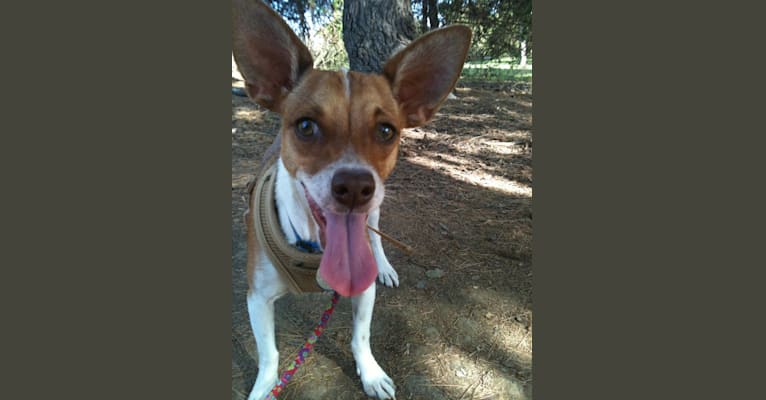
x=353 y=188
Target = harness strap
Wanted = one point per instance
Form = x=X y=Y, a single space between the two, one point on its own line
x=297 y=266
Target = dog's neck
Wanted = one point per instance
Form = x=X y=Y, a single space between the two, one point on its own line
x=293 y=208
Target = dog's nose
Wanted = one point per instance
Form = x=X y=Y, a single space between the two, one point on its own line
x=353 y=188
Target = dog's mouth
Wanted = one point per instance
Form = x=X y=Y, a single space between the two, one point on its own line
x=316 y=211
x=347 y=265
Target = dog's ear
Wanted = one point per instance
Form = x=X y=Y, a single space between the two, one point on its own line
x=423 y=73
x=269 y=55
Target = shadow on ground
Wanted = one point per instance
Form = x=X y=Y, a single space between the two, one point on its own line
x=461 y=196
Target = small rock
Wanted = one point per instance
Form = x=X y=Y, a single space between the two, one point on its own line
x=460 y=373
x=417 y=270
x=467 y=324
x=431 y=331
x=475 y=277
x=435 y=273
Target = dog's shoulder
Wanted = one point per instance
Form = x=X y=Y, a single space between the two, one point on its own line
x=269 y=157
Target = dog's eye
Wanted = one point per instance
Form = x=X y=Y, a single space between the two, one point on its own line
x=306 y=128
x=384 y=132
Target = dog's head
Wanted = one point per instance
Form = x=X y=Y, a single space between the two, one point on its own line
x=341 y=130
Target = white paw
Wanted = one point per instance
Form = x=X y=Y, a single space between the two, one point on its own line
x=376 y=383
x=264 y=383
x=260 y=391
x=386 y=274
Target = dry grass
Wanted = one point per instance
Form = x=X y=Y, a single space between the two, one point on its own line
x=461 y=197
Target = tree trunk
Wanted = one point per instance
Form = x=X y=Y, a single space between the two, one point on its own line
x=424 y=15
x=433 y=13
x=375 y=29
x=523 y=58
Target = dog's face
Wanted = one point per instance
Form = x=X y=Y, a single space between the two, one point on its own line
x=337 y=121
x=341 y=130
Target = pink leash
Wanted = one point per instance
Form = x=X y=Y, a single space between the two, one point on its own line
x=304 y=351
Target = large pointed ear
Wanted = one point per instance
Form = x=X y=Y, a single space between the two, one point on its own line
x=269 y=55
x=424 y=73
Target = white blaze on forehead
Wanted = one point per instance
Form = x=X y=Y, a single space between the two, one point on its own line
x=346 y=84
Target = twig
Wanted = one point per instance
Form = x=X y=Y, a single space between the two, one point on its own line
x=405 y=248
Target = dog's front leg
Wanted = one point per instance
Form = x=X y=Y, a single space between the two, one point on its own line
x=374 y=380
x=260 y=306
x=386 y=273
x=261 y=312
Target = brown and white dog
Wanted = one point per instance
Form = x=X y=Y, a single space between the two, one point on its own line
x=337 y=144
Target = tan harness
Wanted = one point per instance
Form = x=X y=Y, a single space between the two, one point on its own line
x=298 y=267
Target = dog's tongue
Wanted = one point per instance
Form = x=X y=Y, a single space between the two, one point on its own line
x=347 y=264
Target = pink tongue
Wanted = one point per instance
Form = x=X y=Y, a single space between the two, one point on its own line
x=347 y=264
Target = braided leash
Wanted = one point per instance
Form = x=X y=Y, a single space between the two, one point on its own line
x=304 y=351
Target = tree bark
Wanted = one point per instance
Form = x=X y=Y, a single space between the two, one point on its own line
x=375 y=29
x=433 y=13
x=523 y=58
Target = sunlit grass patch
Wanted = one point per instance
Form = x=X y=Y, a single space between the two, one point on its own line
x=502 y=69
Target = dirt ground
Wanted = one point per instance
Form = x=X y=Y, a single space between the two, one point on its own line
x=459 y=326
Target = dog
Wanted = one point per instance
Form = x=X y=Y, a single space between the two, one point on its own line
x=322 y=181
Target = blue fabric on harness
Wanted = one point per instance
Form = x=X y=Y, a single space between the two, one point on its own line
x=305 y=245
